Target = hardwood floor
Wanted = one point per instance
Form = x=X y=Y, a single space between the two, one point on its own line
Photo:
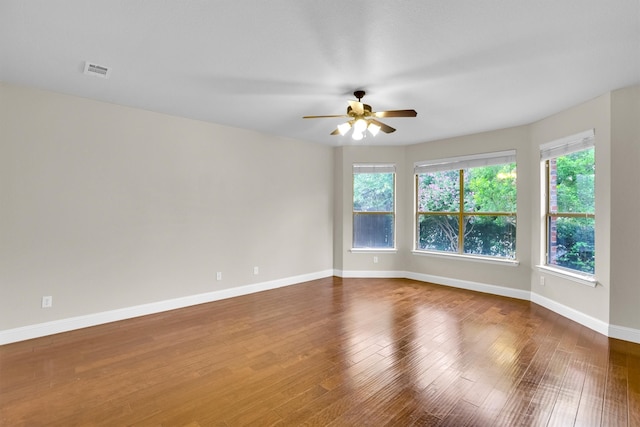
x=339 y=352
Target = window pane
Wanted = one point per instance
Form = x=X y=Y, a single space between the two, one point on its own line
x=490 y=188
x=485 y=189
x=373 y=192
x=438 y=233
x=571 y=243
x=372 y=230
x=439 y=191
x=572 y=182
x=490 y=235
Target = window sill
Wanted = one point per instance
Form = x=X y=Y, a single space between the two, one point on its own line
x=582 y=279
x=488 y=260
x=376 y=250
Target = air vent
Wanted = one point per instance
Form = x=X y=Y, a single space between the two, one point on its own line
x=93 y=69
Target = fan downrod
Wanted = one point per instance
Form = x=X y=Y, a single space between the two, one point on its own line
x=359 y=94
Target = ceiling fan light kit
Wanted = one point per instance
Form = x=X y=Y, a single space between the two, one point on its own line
x=363 y=119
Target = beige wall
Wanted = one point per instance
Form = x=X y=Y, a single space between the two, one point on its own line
x=338 y=208
x=625 y=208
x=105 y=207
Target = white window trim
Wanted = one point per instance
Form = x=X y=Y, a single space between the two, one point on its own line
x=457 y=163
x=582 y=279
x=567 y=145
x=377 y=168
x=469 y=257
x=464 y=162
x=374 y=168
x=376 y=250
x=549 y=150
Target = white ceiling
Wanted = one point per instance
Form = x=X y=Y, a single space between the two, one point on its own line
x=466 y=66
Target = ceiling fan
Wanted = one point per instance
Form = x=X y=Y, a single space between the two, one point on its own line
x=362 y=118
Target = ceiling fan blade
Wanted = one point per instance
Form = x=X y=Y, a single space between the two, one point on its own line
x=396 y=113
x=335 y=132
x=384 y=128
x=325 y=117
x=357 y=107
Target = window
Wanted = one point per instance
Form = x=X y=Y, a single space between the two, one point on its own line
x=467 y=205
x=570 y=202
x=374 y=206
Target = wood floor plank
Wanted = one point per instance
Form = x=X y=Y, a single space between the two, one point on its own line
x=566 y=405
x=633 y=366
x=545 y=398
x=330 y=352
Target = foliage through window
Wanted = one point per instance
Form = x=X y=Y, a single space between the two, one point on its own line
x=467 y=205
x=374 y=206
x=570 y=203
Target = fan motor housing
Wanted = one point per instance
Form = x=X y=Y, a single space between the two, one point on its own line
x=365 y=107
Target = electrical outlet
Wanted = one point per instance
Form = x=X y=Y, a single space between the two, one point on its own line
x=541 y=280
x=47 y=302
x=375 y=259
x=219 y=275
x=256 y=270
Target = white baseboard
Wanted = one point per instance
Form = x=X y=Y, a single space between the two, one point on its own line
x=572 y=314
x=370 y=274
x=472 y=286
x=624 y=333
x=79 y=322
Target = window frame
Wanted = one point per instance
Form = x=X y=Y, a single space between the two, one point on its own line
x=550 y=151
x=370 y=168
x=460 y=164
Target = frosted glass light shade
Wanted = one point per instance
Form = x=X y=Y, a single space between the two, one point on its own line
x=373 y=129
x=360 y=125
x=344 y=128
